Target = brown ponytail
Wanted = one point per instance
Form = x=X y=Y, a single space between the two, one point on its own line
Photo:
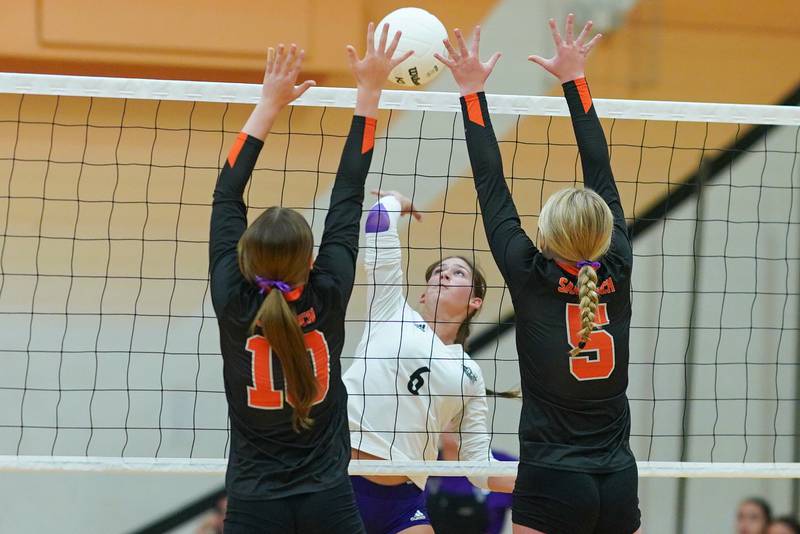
x=279 y=324
x=278 y=246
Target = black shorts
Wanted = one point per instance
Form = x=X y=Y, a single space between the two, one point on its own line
x=331 y=511
x=565 y=502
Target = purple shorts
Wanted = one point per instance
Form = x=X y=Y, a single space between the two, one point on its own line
x=389 y=509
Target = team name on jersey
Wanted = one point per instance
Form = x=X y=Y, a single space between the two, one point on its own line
x=303 y=319
x=307 y=317
x=565 y=286
x=470 y=374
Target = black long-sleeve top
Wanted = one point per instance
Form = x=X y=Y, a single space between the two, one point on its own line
x=268 y=459
x=575 y=414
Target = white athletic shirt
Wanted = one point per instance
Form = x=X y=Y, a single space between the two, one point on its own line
x=406 y=386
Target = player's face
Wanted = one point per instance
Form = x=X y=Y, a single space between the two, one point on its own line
x=750 y=519
x=449 y=292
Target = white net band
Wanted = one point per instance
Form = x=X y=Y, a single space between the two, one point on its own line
x=107 y=384
x=215 y=466
x=239 y=93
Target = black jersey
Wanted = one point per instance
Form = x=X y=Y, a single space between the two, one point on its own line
x=575 y=413
x=268 y=459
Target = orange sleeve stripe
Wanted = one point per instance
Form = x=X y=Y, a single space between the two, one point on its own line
x=368 y=141
x=236 y=148
x=474 y=113
x=583 y=91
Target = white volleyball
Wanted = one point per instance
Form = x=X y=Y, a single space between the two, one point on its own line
x=423 y=33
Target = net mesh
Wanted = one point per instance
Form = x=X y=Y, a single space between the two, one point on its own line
x=109 y=345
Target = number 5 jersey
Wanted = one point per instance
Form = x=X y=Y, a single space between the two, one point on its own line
x=575 y=414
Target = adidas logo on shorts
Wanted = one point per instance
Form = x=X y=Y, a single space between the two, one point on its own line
x=418 y=516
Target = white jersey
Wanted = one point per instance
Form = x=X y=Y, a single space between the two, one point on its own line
x=406 y=386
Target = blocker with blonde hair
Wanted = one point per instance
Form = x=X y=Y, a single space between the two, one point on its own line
x=575 y=226
x=572 y=304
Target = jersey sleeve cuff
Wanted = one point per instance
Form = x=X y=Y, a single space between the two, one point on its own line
x=578 y=96
x=368 y=126
x=246 y=143
x=383 y=215
x=474 y=108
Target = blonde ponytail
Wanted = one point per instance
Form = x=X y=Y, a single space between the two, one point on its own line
x=589 y=299
x=575 y=225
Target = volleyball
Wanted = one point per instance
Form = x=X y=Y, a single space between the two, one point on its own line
x=423 y=33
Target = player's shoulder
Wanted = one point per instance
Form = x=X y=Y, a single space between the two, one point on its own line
x=466 y=372
x=323 y=287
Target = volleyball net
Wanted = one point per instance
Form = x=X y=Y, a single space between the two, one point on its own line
x=109 y=346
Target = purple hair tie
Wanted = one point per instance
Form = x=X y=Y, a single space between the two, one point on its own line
x=585 y=263
x=265 y=284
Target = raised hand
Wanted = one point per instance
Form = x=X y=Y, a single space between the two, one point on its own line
x=406 y=207
x=372 y=70
x=465 y=63
x=279 y=88
x=570 y=58
x=280 y=76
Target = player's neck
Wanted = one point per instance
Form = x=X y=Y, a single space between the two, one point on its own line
x=446 y=329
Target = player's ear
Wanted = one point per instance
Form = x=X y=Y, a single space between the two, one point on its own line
x=475 y=304
x=422 y=298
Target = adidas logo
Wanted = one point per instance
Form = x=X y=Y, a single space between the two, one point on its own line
x=420 y=326
x=418 y=516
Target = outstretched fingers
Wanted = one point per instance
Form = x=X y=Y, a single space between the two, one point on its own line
x=462 y=44
x=476 y=41
x=270 y=60
x=370 y=37
x=384 y=37
x=303 y=87
x=584 y=33
x=449 y=63
x=455 y=56
x=393 y=45
x=289 y=59
x=352 y=55
x=396 y=61
x=588 y=46
x=569 y=28
x=493 y=61
x=298 y=62
x=556 y=34
x=280 y=57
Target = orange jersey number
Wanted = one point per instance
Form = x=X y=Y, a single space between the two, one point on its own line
x=596 y=360
x=263 y=394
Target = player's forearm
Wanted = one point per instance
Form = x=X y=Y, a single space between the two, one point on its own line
x=595 y=162
x=502 y=484
x=237 y=168
x=588 y=132
x=228 y=211
x=261 y=120
x=382 y=240
x=485 y=158
x=347 y=197
x=348 y=189
x=500 y=217
x=367 y=101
